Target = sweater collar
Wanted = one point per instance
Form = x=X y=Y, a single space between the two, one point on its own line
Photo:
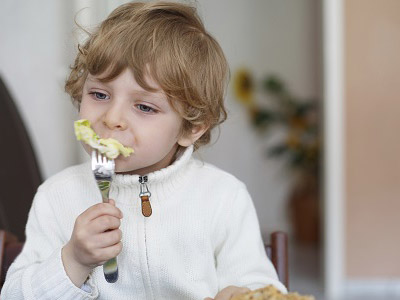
x=173 y=172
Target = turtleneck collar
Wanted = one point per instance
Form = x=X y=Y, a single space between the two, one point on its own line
x=172 y=173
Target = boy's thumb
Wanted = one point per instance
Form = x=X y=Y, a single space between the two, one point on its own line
x=111 y=201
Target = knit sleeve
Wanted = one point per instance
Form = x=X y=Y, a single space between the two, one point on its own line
x=241 y=259
x=38 y=272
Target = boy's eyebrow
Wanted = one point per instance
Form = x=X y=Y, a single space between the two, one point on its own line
x=158 y=98
x=157 y=95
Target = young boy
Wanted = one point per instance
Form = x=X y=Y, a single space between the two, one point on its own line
x=154 y=79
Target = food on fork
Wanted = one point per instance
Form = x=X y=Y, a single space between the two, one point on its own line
x=270 y=293
x=109 y=147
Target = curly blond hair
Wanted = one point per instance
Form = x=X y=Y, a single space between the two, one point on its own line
x=167 y=41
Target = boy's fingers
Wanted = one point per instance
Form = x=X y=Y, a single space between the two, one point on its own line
x=104 y=223
x=107 y=253
x=240 y=291
x=224 y=294
x=100 y=209
x=230 y=291
x=115 y=249
x=107 y=239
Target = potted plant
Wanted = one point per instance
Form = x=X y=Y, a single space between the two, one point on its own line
x=298 y=145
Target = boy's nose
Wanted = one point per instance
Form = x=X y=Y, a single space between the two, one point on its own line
x=114 y=118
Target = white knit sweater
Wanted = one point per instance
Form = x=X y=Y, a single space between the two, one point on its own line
x=203 y=235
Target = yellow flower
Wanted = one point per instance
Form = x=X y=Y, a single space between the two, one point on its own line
x=292 y=140
x=243 y=86
x=298 y=123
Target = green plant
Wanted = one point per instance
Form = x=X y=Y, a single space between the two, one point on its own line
x=300 y=144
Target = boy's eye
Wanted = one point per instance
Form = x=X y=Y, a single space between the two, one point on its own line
x=99 y=96
x=145 y=108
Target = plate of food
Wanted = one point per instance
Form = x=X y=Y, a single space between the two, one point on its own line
x=271 y=293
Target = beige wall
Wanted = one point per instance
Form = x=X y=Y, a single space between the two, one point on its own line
x=372 y=103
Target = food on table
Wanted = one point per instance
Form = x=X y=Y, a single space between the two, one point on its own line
x=271 y=293
x=109 y=147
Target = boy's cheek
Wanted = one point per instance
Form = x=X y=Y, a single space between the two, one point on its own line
x=88 y=111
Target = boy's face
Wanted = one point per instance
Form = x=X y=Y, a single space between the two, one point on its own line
x=145 y=121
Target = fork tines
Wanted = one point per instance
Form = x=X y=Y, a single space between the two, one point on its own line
x=102 y=166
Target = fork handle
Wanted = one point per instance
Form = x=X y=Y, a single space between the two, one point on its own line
x=104 y=187
x=110 y=270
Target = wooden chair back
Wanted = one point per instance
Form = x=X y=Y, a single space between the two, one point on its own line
x=277 y=251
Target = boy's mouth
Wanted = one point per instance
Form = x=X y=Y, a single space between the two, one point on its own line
x=111 y=147
x=109 y=136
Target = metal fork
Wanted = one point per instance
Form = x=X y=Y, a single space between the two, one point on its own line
x=103 y=169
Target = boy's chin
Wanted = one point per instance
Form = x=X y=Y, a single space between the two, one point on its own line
x=122 y=167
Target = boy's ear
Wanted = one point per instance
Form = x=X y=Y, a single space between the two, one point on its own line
x=196 y=133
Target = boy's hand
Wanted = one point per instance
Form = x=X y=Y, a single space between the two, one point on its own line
x=95 y=239
x=229 y=292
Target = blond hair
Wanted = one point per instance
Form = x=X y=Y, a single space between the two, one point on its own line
x=168 y=41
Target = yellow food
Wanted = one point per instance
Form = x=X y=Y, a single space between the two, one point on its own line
x=109 y=147
x=271 y=293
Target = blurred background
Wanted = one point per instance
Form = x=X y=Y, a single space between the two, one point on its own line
x=313 y=105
